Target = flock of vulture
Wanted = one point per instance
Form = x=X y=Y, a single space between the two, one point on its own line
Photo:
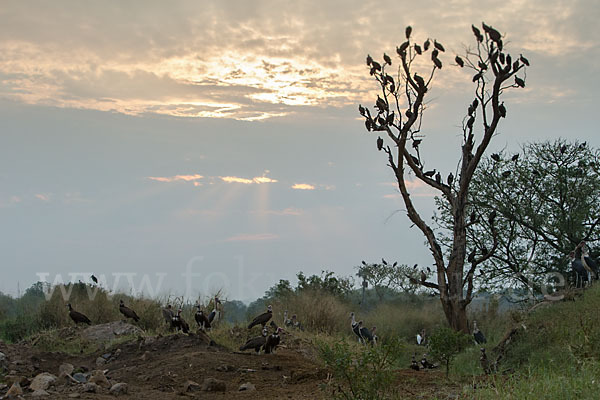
x=267 y=342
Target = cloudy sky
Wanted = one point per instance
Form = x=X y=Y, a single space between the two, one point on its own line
x=216 y=144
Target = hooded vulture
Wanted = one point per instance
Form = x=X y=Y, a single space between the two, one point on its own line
x=272 y=341
x=256 y=342
x=128 y=312
x=262 y=319
x=78 y=317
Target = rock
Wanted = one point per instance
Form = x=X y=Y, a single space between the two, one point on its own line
x=106 y=356
x=109 y=331
x=191 y=386
x=118 y=389
x=79 y=377
x=117 y=353
x=40 y=393
x=3 y=386
x=68 y=379
x=65 y=369
x=100 y=361
x=145 y=356
x=15 y=390
x=13 y=378
x=42 y=381
x=2 y=357
x=90 y=387
x=249 y=387
x=225 y=368
x=74 y=395
x=99 y=379
x=213 y=385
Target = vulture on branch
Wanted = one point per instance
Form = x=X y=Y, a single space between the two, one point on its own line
x=256 y=342
x=262 y=319
x=128 y=312
x=477 y=334
x=94 y=279
x=272 y=341
x=78 y=317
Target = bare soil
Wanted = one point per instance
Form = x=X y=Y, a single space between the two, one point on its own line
x=160 y=367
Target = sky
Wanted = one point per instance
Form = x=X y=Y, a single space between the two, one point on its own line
x=178 y=148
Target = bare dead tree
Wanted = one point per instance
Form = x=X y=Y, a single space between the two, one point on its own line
x=398 y=115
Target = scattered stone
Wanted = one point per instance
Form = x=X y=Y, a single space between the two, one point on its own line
x=90 y=387
x=39 y=393
x=99 y=379
x=74 y=395
x=248 y=387
x=15 y=390
x=106 y=356
x=65 y=369
x=2 y=357
x=118 y=389
x=67 y=379
x=145 y=356
x=100 y=361
x=13 y=378
x=191 y=386
x=225 y=368
x=3 y=386
x=213 y=385
x=79 y=377
x=107 y=332
x=117 y=353
x=42 y=381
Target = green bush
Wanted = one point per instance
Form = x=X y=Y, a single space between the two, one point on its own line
x=361 y=372
x=445 y=344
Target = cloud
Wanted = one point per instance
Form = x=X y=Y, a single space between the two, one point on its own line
x=290 y=211
x=303 y=186
x=185 y=178
x=257 y=179
x=248 y=237
x=42 y=196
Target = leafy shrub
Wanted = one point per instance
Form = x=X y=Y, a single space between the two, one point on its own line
x=363 y=373
x=445 y=344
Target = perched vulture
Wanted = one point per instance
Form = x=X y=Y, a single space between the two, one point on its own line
x=256 y=342
x=168 y=314
x=201 y=319
x=272 y=341
x=365 y=333
x=128 y=312
x=94 y=279
x=262 y=319
x=286 y=320
x=78 y=317
x=179 y=323
x=477 y=334
x=413 y=364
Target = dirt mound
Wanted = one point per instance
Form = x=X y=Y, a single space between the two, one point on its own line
x=169 y=367
x=109 y=331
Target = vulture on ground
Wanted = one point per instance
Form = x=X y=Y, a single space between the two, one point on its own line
x=272 y=341
x=256 y=342
x=128 y=312
x=477 y=334
x=168 y=314
x=262 y=319
x=413 y=364
x=201 y=319
x=426 y=364
x=78 y=317
x=365 y=333
x=179 y=323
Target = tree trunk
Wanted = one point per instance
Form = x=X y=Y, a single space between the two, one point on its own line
x=456 y=313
